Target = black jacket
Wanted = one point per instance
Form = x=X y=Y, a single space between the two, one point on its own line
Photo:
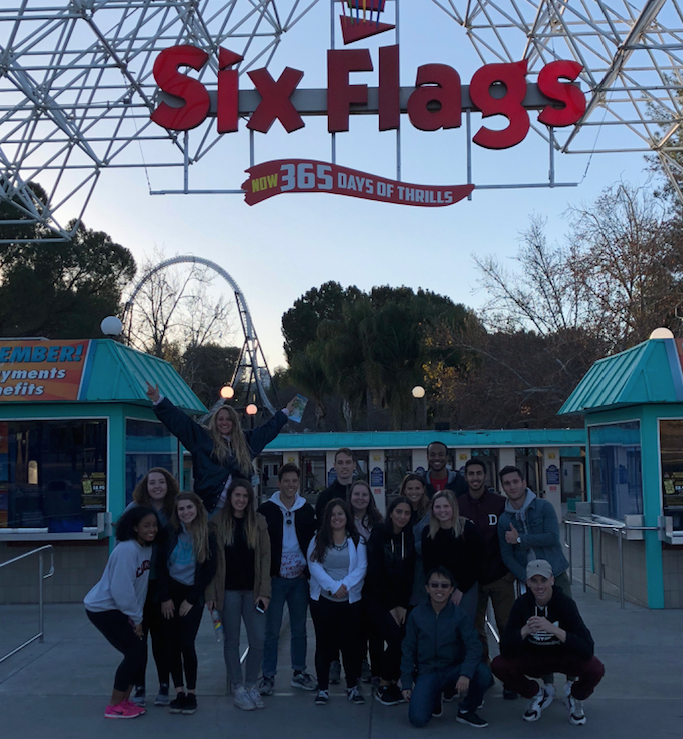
x=209 y=474
x=461 y=555
x=336 y=490
x=203 y=572
x=391 y=567
x=560 y=610
x=304 y=525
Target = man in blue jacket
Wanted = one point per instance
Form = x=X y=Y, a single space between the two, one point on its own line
x=442 y=646
x=528 y=530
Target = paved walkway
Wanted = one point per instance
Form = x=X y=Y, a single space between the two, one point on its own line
x=59 y=689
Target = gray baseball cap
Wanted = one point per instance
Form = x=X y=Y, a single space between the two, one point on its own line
x=539 y=567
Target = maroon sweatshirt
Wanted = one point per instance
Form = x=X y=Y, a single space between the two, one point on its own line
x=484 y=514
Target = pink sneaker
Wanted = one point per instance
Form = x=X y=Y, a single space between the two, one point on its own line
x=125 y=709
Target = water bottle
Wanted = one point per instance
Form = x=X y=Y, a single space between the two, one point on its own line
x=217 y=625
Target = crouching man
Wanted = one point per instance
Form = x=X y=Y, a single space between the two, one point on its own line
x=545 y=634
x=443 y=648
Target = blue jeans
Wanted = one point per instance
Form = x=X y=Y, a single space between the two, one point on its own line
x=428 y=689
x=294 y=592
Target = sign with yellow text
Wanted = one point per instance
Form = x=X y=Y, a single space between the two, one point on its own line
x=43 y=370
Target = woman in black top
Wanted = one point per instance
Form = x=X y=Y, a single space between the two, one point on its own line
x=387 y=590
x=453 y=542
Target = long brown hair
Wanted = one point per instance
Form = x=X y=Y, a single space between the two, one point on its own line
x=372 y=516
x=225 y=520
x=323 y=539
x=199 y=528
x=424 y=505
x=237 y=446
x=458 y=522
x=141 y=493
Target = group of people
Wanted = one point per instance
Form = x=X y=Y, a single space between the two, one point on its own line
x=410 y=589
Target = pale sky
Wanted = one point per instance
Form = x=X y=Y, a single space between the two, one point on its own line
x=279 y=249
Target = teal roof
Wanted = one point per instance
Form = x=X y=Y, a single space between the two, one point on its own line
x=416 y=439
x=117 y=373
x=647 y=373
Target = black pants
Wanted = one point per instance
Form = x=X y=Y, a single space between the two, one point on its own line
x=337 y=627
x=117 y=629
x=180 y=634
x=373 y=643
x=385 y=629
x=153 y=624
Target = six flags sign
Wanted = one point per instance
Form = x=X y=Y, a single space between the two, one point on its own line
x=437 y=101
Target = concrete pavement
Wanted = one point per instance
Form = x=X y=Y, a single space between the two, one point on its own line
x=59 y=689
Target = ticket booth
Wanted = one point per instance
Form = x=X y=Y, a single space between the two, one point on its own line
x=77 y=433
x=633 y=408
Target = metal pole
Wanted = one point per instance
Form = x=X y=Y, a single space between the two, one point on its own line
x=621 y=569
x=568 y=535
x=583 y=557
x=40 y=597
x=600 y=563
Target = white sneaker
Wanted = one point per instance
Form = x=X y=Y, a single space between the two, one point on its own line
x=550 y=692
x=256 y=697
x=575 y=707
x=243 y=699
x=541 y=700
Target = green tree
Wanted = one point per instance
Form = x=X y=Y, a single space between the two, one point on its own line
x=206 y=368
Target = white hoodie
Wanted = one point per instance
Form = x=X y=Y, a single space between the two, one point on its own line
x=293 y=561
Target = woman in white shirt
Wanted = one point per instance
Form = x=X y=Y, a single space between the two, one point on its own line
x=337 y=562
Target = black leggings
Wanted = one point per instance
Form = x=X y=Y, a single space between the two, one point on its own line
x=180 y=634
x=153 y=624
x=337 y=627
x=385 y=628
x=117 y=629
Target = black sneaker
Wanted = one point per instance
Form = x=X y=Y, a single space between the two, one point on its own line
x=190 y=704
x=355 y=696
x=139 y=696
x=437 y=711
x=162 y=698
x=176 y=705
x=389 y=695
x=323 y=698
x=471 y=719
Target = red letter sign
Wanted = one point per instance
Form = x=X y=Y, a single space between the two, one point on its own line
x=275 y=101
x=510 y=104
x=340 y=94
x=228 y=91
x=389 y=88
x=439 y=83
x=192 y=92
x=573 y=99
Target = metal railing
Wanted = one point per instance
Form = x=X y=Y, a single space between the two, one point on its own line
x=617 y=528
x=40 y=552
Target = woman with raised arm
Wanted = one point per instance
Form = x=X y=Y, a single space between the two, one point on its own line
x=387 y=591
x=185 y=567
x=220 y=450
x=453 y=542
x=157 y=490
x=241 y=588
x=337 y=563
x=116 y=603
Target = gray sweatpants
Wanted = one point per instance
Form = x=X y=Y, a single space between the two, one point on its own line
x=239 y=605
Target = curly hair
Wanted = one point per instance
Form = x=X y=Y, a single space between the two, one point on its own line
x=141 y=493
x=125 y=526
x=323 y=539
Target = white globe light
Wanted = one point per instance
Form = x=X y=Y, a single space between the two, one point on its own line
x=662 y=333
x=111 y=326
x=227 y=392
x=251 y=409
x=418 y=391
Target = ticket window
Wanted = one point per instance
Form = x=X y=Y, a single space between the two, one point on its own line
x=671 y=444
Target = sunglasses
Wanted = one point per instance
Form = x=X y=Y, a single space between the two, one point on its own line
x=439 y=585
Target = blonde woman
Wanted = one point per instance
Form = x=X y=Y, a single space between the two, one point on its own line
x=453 y=542
x=241 y=587
x=221 y=450
x=185 y=567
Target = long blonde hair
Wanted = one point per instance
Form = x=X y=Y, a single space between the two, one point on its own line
x=237 y=446
x=457 y=523
x=199 y=528
x=225 y=520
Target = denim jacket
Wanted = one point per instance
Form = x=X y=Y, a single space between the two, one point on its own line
x=539 y=536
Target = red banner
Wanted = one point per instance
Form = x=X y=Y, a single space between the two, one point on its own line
x=304 y=175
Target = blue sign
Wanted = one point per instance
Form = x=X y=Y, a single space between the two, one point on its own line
x=377 y=477
x=331 y=476
x=420 y=471
x=552 y=475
